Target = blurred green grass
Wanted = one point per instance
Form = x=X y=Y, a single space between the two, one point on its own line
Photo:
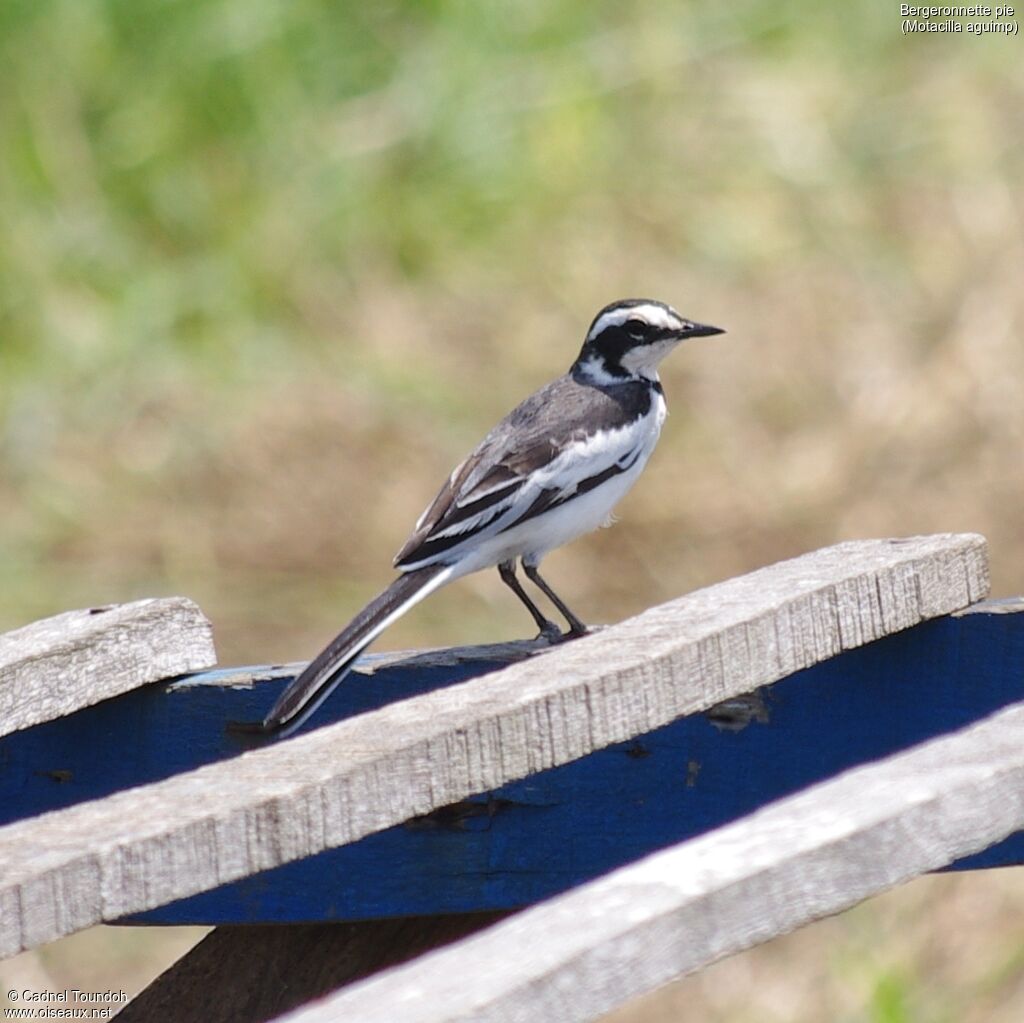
x=268 y=268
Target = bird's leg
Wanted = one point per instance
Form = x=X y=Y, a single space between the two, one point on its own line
x=548 y=629
x=576 y=627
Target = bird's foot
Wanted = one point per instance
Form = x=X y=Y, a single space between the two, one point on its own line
x=570 y=634
x=551 y=633
x=578 y=630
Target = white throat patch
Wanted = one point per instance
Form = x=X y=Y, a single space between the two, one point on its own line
x=644 y=359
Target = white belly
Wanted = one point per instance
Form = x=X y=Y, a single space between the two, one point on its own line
x=533 y=538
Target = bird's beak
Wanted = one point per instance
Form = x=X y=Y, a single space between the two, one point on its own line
x=700 y=330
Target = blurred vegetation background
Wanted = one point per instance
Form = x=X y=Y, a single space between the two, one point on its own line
x=253 y=251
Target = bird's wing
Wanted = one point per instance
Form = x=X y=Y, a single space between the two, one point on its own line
x=535 y=458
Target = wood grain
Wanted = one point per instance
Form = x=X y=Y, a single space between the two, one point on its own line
x=253 y=974
x=584 y=953
x=137 y=849
x=59 y=665
x=535 y=838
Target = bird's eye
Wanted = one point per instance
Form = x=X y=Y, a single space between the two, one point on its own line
x=636 y=328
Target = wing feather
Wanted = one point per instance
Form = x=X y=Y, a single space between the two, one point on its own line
x=518 y=472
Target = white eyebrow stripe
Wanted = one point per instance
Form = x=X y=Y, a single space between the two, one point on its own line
x=655 y=315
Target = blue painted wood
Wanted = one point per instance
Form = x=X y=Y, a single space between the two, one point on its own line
x=554 y=830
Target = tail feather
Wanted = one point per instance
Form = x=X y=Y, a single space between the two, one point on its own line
x=318 y=680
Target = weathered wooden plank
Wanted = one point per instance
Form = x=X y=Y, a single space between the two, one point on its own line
x=177 y=725
x=532 y=839
x=76 y=659
x=139 y=849
x=253 y=974
x=583 y=953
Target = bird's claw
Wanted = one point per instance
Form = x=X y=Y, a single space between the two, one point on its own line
x=573 y=634
x=551 y=633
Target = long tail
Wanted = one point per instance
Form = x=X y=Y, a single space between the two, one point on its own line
x=306 y=692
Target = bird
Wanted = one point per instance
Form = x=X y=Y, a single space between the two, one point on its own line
x=552 y=470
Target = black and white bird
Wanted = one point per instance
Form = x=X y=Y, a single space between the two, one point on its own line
x=550 y=471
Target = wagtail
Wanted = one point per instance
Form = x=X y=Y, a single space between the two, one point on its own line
x=550 y=471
